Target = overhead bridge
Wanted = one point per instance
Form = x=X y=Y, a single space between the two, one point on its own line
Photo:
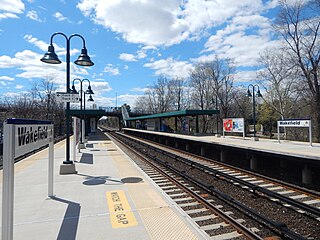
x=94 y=115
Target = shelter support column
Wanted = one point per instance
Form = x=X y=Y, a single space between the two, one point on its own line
x=187 y=147
x=253 y=163
x=197 y=124
x=202 y=151
x=119 y=123
x=175 y=124
x=223 y=155
x=306 y=175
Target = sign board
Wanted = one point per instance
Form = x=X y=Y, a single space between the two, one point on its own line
x=68 y=97
x=295 y=123
x=30 y=137
x=22 y=136
x=233 y=125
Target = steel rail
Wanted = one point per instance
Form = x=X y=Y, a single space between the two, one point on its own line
x=255 y=188
x=281 y=227
x=239 y=227
x=287 y=185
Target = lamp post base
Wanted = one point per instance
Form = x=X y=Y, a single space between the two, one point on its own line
x=255 y=139
x=67 y=169
x=81 y=146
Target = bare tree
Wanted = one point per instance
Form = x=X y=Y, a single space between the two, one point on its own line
x=279 y=77
x=176 y=88
x=44 y=92
x=201 y=91
x=221 y=73
x=298 y=24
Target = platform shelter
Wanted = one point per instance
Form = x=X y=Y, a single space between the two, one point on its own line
x=160 y=121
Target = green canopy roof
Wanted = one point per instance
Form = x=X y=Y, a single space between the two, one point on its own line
x=176 y=114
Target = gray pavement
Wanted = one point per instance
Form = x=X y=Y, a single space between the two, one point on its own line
x=109 y=198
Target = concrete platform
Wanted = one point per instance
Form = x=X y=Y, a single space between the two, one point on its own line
x=108 y=198
x=290 y=148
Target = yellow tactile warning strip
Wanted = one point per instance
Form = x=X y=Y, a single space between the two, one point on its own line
x=120 y=210
x=159 y=219
x=169 y=226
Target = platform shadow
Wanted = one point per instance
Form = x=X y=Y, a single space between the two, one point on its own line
x=98 y=180
x=69 y=226
x=89 y=145
x=131 y=180
x=86 y=158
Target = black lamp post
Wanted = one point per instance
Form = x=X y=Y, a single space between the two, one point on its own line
x=83 y=60
x=217 y=119
x=254 y=106
x=88 y=91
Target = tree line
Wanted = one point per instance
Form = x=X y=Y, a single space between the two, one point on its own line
x=288 y=79
x=39 y=103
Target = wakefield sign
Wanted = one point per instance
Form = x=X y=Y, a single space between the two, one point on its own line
x=295 y=123
x=30 y=137
x=22 y=136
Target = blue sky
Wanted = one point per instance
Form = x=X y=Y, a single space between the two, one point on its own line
x=131 y=42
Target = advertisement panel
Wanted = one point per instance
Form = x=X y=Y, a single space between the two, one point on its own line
x=233 y=125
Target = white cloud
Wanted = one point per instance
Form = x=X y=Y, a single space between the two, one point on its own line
x=6 y=78
x=10 y=8
x=60 y=17
x=31 y=67
x=168 y=23
x=141 y=53
x=243 y=39
x=127 y=57
x=139 y=89
x=19 y=86
x=8 y=15
x=33 y=15
x=38 y=43
x=139 y=21
x=11 y=94
x=171 y=68
x=100 y=87
x=44 y=46
x=111 y=70
x=129 y=99
x=245 y=76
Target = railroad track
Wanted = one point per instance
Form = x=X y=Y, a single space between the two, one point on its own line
x=210 y=217
x=302 y=200
x=312 y=225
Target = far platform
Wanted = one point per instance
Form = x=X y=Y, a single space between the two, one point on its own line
x=290 y=148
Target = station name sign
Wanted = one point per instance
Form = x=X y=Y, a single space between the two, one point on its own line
x=31 y=136
x=294 y=123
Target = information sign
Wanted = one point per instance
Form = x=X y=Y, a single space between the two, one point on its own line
x=68 y=97
x=295 y=123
